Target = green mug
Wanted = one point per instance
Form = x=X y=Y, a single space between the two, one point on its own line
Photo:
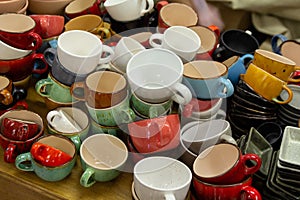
x=102 y=158
x=150 y=110
x=49 y=173
x=53 y=89
x=96 y=128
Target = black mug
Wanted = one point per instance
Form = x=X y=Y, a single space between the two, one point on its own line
x=235 y=42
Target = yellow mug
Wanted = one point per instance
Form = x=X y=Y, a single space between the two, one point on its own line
x=277 y=65
x=265 y=84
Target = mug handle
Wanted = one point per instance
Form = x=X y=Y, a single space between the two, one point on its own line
x=274 y=41
x=10 y=153
x=40 y=87
x=228 y=139
x=150 y=6
x=156 y=36
x=160 y=4
x=290 y=93
x=40 y=56
x=51 y=115
x=103 y=32
x=20 y=159
x=251 y=157
x=292 y=80
x=251 y=193
x=109 y=51
x=21 y=104
x=77 y=86
x=37 y=40
x=7 y=97
x=76 y=140
x=228 y=85
x=49 y=55
x=87 y=178
x=156 y=111
x=125 y=116
x=250 y=56
x=218 y=52
x=215 y=29
x=182 y=94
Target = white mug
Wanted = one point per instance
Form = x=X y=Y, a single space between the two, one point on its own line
x=128 y=10
x=124 y=50
x=61 y=121
x=81 y=51
x=179 y=39
x=160 y=177
x=8 y=52
x=155 y=76
x=200 y=136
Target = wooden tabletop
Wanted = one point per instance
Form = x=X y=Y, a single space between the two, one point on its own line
x=16 y=184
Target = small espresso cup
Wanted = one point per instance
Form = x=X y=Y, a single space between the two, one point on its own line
x=102 y=158
x=101 y=89
x=277 y=65
x=200 y=136
x=114 y=115
x=237 y=66
x=150 y=110
x=12 y=148
x=82 y=57
x=175 y=14
x=128 y=10
x=58 y=71
x=53 y=89
x=71 y=122
x=266 y=85
x=18 y=30
x=207 y=79
x=210 y=167
x=124 y=50
x=204 y=190
x=49 y=173
x=235 y=42
x=159 y=177
x=179 y=39
x=155 y=76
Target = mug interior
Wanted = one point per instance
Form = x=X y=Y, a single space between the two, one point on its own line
x=16 y=23
x=207 y=36
x=4 y=82
x=84 y=22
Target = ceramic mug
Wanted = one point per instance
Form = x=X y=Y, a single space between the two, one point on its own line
x=128 y=10
x=101 y=89
x=235 y=42
x=262 y=82
x=179 y=39
x=81 y=57
x=18 y=30
x=8 y=52
x=21 y=68
x=160 y=177
x=89 y=22
x=79 y=8
x=124 y=50
x=53 y=89
x=207 y=79
x=156 y=134
x=71 y=122
x=96 y=128
x=6 y=89
x=58 y=71
x=239 y=190
x=48 y=26
x=114 y=115
x=277 y=65
x=102 y=158
x=175 y=14
x=12 y=148
x=21 y=104
x=155 y=76
x=49 y=173
x=203 y=108
x=200 y=136
x=237 y=66
x=209 y=36
x=210 y=165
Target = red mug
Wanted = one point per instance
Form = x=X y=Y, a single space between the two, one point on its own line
x=224 y=164
x=12 y=148
x=18 y=105
x=18 y=30
x=20 y=130
x=242 y=190
x=49 y=156
x=155 y=134
x=198 y=105
x=19 y=69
